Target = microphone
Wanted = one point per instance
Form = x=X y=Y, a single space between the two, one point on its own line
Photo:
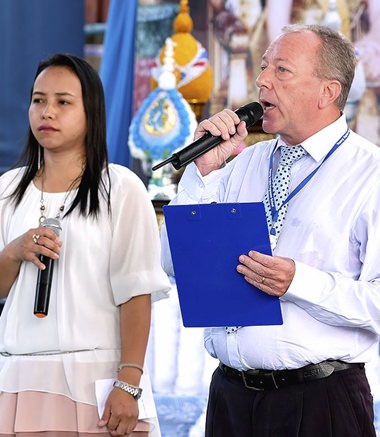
x=44 y=278
x=250 y=113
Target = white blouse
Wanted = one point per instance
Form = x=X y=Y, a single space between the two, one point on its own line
x=103 y=263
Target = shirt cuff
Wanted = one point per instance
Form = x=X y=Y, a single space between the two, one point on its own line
x=308 y=285
x=198 y=188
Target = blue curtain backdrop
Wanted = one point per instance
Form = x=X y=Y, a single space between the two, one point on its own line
x=29 y=32
x=117 y=71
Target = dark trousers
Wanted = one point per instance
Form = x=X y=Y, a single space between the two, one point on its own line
x=340 y=405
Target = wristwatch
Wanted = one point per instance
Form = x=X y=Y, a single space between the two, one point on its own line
x=131 y=389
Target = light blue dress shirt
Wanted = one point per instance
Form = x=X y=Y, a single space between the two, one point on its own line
x=332 y=231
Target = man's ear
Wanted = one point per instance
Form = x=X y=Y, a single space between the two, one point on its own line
x=330 y=92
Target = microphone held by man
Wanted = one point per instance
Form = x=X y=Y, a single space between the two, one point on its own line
x=45 y=277
x=250 y=113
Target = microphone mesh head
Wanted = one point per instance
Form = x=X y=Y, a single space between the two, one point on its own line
x=250 y=113
x=54 y=224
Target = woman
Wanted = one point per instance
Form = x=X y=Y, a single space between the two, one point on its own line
x=105 y=249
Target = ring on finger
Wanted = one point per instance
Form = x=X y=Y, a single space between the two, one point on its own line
x=35 y=238
x=262 y=280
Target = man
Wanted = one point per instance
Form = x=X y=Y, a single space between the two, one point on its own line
x=305 y=378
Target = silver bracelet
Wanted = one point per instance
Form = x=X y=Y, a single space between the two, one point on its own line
x=131 y=389
x=135 y=366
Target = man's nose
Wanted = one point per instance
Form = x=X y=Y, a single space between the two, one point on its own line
x=263 y=79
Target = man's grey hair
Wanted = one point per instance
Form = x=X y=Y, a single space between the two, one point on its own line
x=336 y=59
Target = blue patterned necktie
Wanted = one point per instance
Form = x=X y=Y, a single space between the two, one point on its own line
x=281 y=182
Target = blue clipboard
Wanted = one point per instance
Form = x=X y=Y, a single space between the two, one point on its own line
x=205 y=242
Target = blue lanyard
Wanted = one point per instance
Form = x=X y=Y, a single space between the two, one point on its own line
x=274 y=211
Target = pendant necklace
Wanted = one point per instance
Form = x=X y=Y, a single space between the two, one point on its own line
x=43 y=207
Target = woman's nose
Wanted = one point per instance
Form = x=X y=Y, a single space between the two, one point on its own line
x=48 y=112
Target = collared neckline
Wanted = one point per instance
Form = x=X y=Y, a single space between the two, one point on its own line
x=319 y=144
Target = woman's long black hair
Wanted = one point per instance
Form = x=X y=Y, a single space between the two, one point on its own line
x=95 y=143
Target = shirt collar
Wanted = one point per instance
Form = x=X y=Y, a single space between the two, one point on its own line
x=319 y=144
